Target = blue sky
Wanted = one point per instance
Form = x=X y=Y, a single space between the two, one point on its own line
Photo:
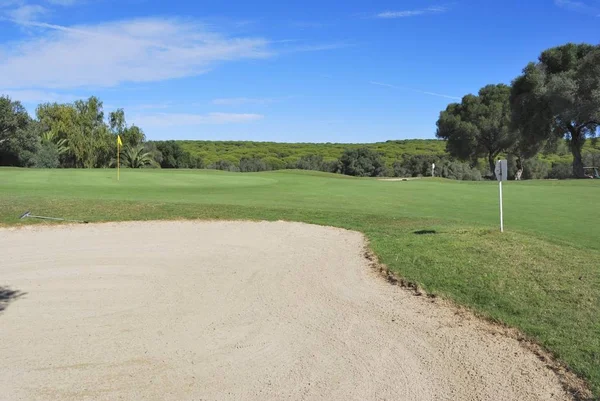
x=310 y=71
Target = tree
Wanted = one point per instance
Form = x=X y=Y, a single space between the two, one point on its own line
x=173 y=156
x=558 y=97
x=18 y=139
x=479 y=126
x=131 y=136
x=82 y=125
x=137 y=157
x=362 y=162
x=61 y=144
x=50 y=150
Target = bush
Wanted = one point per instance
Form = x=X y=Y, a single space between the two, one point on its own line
x=333 y=166
x=310 y=162
x=417 y=165
x=151 y=148
x=458 y=171
x=591 y=159
x=561 y=171
x=47 y=156
x=399 y=170
x=252 y=165
x=194 y=161
x=362 y=162
x=224 y=165
x=274 y=163
x=173 y=156
x=535 y=169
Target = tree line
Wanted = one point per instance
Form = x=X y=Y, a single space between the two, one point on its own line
x=556 y=98
x=541 y=123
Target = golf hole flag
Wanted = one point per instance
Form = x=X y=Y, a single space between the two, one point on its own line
x=119 y=144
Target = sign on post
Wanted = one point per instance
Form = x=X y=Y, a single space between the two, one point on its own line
x=501 y=175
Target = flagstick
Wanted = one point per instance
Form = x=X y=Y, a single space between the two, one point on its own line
x=118 y=166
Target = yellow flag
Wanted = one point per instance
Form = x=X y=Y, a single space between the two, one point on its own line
x=119 y=142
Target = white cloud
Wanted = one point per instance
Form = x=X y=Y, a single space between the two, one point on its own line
x=412 y=13
x=26 y=12
x=415 y=90
x=141 y=50
x=164 y=120
x=236 y=101
x=39 y=96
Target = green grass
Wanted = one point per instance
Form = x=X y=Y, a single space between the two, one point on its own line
x=542 y=275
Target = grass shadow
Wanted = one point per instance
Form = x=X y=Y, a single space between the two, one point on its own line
x=425 y=232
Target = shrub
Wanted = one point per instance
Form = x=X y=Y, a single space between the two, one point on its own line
x=310 y=162
x=362 y=162
x=561 y=171
x=333 y=166
x=173 y=156
x=458 y=171
x=535 y=169
x=225 y=165
x=252 y=165
x=274 y=163
x=48 y=156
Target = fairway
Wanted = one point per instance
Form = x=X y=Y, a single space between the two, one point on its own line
x=541 y=276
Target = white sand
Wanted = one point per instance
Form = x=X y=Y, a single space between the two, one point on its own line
x=235 y=311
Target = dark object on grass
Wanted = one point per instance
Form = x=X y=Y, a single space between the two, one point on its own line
x=28 y=214
x=425 y=232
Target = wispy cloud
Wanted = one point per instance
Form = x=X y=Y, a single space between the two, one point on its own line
x=165 y=120
x=237 y=101
x=412 y=13
x=26 y=12
x=29 y=96
x=317 y=47
x=579 y=6
x=140 y=50
x=415 y=90
x=64 y=2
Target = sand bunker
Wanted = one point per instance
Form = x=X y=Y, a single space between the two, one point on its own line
x=235 y=311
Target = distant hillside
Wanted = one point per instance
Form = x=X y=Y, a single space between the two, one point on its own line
x=289 y=153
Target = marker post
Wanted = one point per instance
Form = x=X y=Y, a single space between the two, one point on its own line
x=501 y=175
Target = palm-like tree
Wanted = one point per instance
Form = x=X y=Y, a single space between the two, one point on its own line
x=137 y=157
x=61 y=144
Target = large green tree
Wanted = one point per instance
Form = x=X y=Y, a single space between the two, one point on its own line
x=18 y=139
x=82 y=125
x=559 y=97
x=479 y=126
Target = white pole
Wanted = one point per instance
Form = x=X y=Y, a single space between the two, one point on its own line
x=501 y=212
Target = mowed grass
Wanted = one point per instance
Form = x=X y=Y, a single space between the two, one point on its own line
x=541 y=276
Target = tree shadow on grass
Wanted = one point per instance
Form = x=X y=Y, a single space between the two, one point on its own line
x=7 y=296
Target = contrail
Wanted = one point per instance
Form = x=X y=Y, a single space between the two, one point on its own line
x=414 y=90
